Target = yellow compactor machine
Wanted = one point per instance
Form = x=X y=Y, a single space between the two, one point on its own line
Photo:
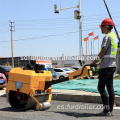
x=30 y=87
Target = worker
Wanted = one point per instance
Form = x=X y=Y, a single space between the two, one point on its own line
x=107 y=62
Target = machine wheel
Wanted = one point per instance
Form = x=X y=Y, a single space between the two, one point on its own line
x=22 y=101
x=61 y=77
x=18 y=100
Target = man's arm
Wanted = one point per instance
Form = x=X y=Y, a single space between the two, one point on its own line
x=100 y=55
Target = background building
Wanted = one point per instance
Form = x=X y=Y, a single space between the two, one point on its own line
x=18 y=62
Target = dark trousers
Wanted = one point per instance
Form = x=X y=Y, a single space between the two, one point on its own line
x=106 y=79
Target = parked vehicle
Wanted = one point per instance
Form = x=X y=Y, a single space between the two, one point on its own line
x=62 y=72
x=5 y=70
x=54 y=76
x=47 y=64
x=75 y=68
x=69 y=68
x=3 y=81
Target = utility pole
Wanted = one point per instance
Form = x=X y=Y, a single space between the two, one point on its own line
x=93 y=43
x=80 y=31
x=11 y=25
x=98 y=43
x=86 y=52
x=62 y=61
x=77 y=15
x=91 y=49
x=91 y=46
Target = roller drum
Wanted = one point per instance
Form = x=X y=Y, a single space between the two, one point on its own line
x=27 y=102
x=45 y=105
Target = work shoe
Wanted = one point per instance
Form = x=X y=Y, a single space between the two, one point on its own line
x=111 y=113
x=104 y=114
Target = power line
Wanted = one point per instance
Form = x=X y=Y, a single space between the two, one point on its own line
x=4 y=31
x=41 y=24
x=42 y=37
x=55 y=24
x=61 y=18
x=101 y=15
x=44 y=19
x=48 y=35
x=4 y=22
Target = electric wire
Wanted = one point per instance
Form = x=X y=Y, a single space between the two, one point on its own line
x=42 y=36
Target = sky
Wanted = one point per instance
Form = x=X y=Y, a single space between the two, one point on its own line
x=41 y=32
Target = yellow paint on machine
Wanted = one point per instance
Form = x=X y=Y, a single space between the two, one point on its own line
x=86 y=72
x=29 y=79
x=28 y=83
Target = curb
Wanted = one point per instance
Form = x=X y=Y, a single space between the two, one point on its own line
x=76 y=96
x=81 y=96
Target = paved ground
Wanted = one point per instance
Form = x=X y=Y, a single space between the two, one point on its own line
x=60 y=110
x=75 y=96
x=61 y=107
x=79 y=96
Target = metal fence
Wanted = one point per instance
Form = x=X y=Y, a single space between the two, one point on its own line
x=17 y=62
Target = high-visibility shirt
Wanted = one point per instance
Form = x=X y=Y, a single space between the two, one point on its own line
x=114 y=46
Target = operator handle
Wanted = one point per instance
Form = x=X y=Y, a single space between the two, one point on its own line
x=49 y=83
x=82 y=71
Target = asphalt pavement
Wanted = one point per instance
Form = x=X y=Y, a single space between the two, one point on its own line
x=60 y=110
x=66 y=104
x=75 y=96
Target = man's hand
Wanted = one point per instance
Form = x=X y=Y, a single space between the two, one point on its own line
x=95 y=64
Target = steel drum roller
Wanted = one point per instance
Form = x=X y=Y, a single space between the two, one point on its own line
x=29 y=88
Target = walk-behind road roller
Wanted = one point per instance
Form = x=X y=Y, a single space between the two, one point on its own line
x=30 y=87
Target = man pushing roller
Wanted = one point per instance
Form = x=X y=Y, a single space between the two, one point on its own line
x=107 y=64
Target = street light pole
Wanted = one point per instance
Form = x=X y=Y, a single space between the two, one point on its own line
x=80 y=31
x=77 y=16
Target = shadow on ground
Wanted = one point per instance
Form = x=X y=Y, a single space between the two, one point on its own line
x=10 y=109
x=77 y=115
